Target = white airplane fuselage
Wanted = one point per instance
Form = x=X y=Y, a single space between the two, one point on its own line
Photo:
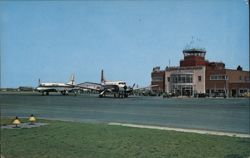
x=54 y=87
x=120 y=84
x=118 y=88
x=64 y=88
x=58 y=86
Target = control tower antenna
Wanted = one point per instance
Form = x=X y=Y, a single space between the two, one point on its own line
x=194 y=44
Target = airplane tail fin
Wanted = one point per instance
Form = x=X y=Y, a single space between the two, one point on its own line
x=72 y=79
x=102 y=77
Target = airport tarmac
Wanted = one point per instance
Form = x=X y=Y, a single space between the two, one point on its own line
x=228 y=115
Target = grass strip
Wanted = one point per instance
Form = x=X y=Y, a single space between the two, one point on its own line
x=74 y=139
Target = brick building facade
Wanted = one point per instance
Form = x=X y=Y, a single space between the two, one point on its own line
x=158 y=80
x=195 y=75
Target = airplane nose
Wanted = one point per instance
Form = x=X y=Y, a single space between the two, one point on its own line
x=37 y=89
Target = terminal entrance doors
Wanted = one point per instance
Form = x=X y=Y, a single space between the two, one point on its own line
x=183 y=90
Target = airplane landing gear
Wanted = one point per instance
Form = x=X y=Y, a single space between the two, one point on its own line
x=63 y=92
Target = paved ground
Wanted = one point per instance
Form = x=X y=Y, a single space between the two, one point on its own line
x=228 y=115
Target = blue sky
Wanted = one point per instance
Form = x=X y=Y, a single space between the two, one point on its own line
x=51 y=40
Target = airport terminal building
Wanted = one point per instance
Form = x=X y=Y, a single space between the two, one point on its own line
x=195 y=75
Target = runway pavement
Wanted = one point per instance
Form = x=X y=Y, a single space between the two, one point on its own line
x=227 y=115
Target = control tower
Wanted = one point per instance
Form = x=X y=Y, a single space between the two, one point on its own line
x=194 y=57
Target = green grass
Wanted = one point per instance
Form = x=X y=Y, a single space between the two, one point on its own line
x=71 y=139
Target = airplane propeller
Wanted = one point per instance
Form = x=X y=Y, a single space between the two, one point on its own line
x=133 y=85
x=130 y=89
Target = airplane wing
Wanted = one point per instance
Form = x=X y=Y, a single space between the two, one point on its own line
x=90 y=86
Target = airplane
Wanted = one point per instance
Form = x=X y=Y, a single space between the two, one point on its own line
x=118 y=88
x=63 y=88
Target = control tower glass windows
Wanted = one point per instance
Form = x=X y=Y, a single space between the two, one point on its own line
x=194 y=52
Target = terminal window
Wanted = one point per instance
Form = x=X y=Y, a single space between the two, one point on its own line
x=218 y=77
x=199 y=78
